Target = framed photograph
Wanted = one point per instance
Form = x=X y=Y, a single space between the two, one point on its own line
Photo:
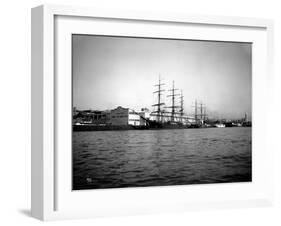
x=136 y=112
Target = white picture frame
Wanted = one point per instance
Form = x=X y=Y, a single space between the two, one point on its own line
x=52 y=197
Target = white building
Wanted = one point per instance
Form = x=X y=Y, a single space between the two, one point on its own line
x=124 y=116
x=144 y=115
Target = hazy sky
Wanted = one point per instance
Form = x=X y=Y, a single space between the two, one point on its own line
x=117 y=71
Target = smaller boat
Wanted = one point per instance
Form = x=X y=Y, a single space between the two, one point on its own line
x=220 y=125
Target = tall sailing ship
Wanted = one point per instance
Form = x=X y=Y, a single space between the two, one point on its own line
x=173 y=115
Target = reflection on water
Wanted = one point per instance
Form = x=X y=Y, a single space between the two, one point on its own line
x=133 y=158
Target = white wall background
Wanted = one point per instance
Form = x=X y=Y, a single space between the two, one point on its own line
x=15 y=111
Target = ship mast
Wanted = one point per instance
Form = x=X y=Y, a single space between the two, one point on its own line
x=159 y=92
x=181 y=106
x=202 y=108
x=201 y=111
x=195 y=113
x=173 y=112
x=204 y=116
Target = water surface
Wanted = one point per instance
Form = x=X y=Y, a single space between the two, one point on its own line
x=133 y=158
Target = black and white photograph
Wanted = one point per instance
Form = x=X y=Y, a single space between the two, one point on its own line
x=160 y=112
